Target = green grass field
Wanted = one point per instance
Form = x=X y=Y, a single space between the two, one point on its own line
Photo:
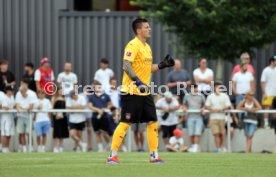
x=136 y=165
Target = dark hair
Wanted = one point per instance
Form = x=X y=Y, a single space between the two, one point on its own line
x=272 y=59
x=104 y=61
x=9 y=88
x=194 y=85
x=29 y=64
x=217 y=83
x=202 y=58
x=137 y=24
x=113 y=79
x=25 y=80
x=3 y=61
x=96 y=83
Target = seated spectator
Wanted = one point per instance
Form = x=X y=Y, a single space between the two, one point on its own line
x=77 y=120
x=169 y=119
x=176 y=142
x=195 y=124
x=217 y=103
x=29 y=76
x=7 y=78
x=24 y=102
x=60 y=123
x=100 y=103
x=42 y=120
x=249 y=104
x=7 y=119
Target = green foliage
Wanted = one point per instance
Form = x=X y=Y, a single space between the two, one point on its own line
x=216 y=28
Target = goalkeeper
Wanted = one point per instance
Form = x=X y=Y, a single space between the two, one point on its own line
x=137 y=103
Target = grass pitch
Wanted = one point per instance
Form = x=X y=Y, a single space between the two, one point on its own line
x=136 y=165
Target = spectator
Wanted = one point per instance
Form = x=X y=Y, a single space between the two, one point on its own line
x=243 y=82
x=245 y=58
x=249 y=104
x=29 y=75
x=169 y=119
x=217 y=103
x=44 y=77
x=60 y=124
x=7 y=119
x=88 y=123
x=42 y=120
x=195 y=125
x=104 y=74
x=24 y=102
x=138 y=132
x=6 y=77
x=77 y=120
x=268 y=84
x=178 y=78
x=67 y=79
x=100 y=103
x=176 y=142
x=203 y=77
x=114 y=93
x=2 y=99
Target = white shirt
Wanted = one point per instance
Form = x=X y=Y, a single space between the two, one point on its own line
x=88 y=115
x=243 y=81
x=44 y=104
x=67 y=81
x=218 y=102
x=104 y=76
x=172 y=118
x=37 y=76
x=179 y=142
x=2 y=97
x=208 y=73
x=24 y=102
x=76 y=117
x=269 y=77
x=115 y=97
x=10 y=103
x=30 y=93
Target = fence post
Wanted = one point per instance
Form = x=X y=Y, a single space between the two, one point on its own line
x=30 y=130
x=228 y=115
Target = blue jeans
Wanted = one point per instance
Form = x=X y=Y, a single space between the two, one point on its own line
x=249 y=129
x=42 y=128
x=195 y=126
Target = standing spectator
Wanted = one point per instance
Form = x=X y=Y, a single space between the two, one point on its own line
x=195 y=124
x=176 y=142
x=29 y=75
x=114 y=93
x=6 y=77
x=7 y=119
x=100 y=103
x=104 y=74
x=77 y=120
x=243 y=82
x=169 y=119
x=24 y=102
x=138 y=132
x=67 y=79
x=88 y=115
x=178 y=78
x=268 y=84
x=44 y=77
x=60 y=123
x=249 y=104
x=203 y=77
x=42 y=120
x=217 y=103
x=245 y=58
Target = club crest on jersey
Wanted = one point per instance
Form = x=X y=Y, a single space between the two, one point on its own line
x=128 y=116
x=128 y=54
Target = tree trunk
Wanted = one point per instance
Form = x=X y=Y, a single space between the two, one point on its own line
x=219 y=70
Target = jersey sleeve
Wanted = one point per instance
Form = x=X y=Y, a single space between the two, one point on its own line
x=37 y=75
x=130 y=52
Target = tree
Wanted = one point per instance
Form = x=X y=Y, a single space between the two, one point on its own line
x=217 y=29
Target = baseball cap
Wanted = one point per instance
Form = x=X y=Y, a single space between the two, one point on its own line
x=44 y=60
x=178 y=133
x=168 y=95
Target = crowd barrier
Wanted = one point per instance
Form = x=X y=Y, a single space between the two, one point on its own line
x=227 y=114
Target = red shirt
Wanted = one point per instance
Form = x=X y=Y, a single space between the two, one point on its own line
x=237 y=69
x=46 y=80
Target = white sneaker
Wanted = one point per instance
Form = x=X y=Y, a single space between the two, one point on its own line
x=5 y=150
x=56 y=150
x=78 y=149
x=43 y=149
x=20 y=148
x=224 y=150
x=197 y=148
x=124 y=149
x=192 y=149
x=38 y=148
x=266 y=125
x=24 y=149
x=83 y=147
x=60 y=149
